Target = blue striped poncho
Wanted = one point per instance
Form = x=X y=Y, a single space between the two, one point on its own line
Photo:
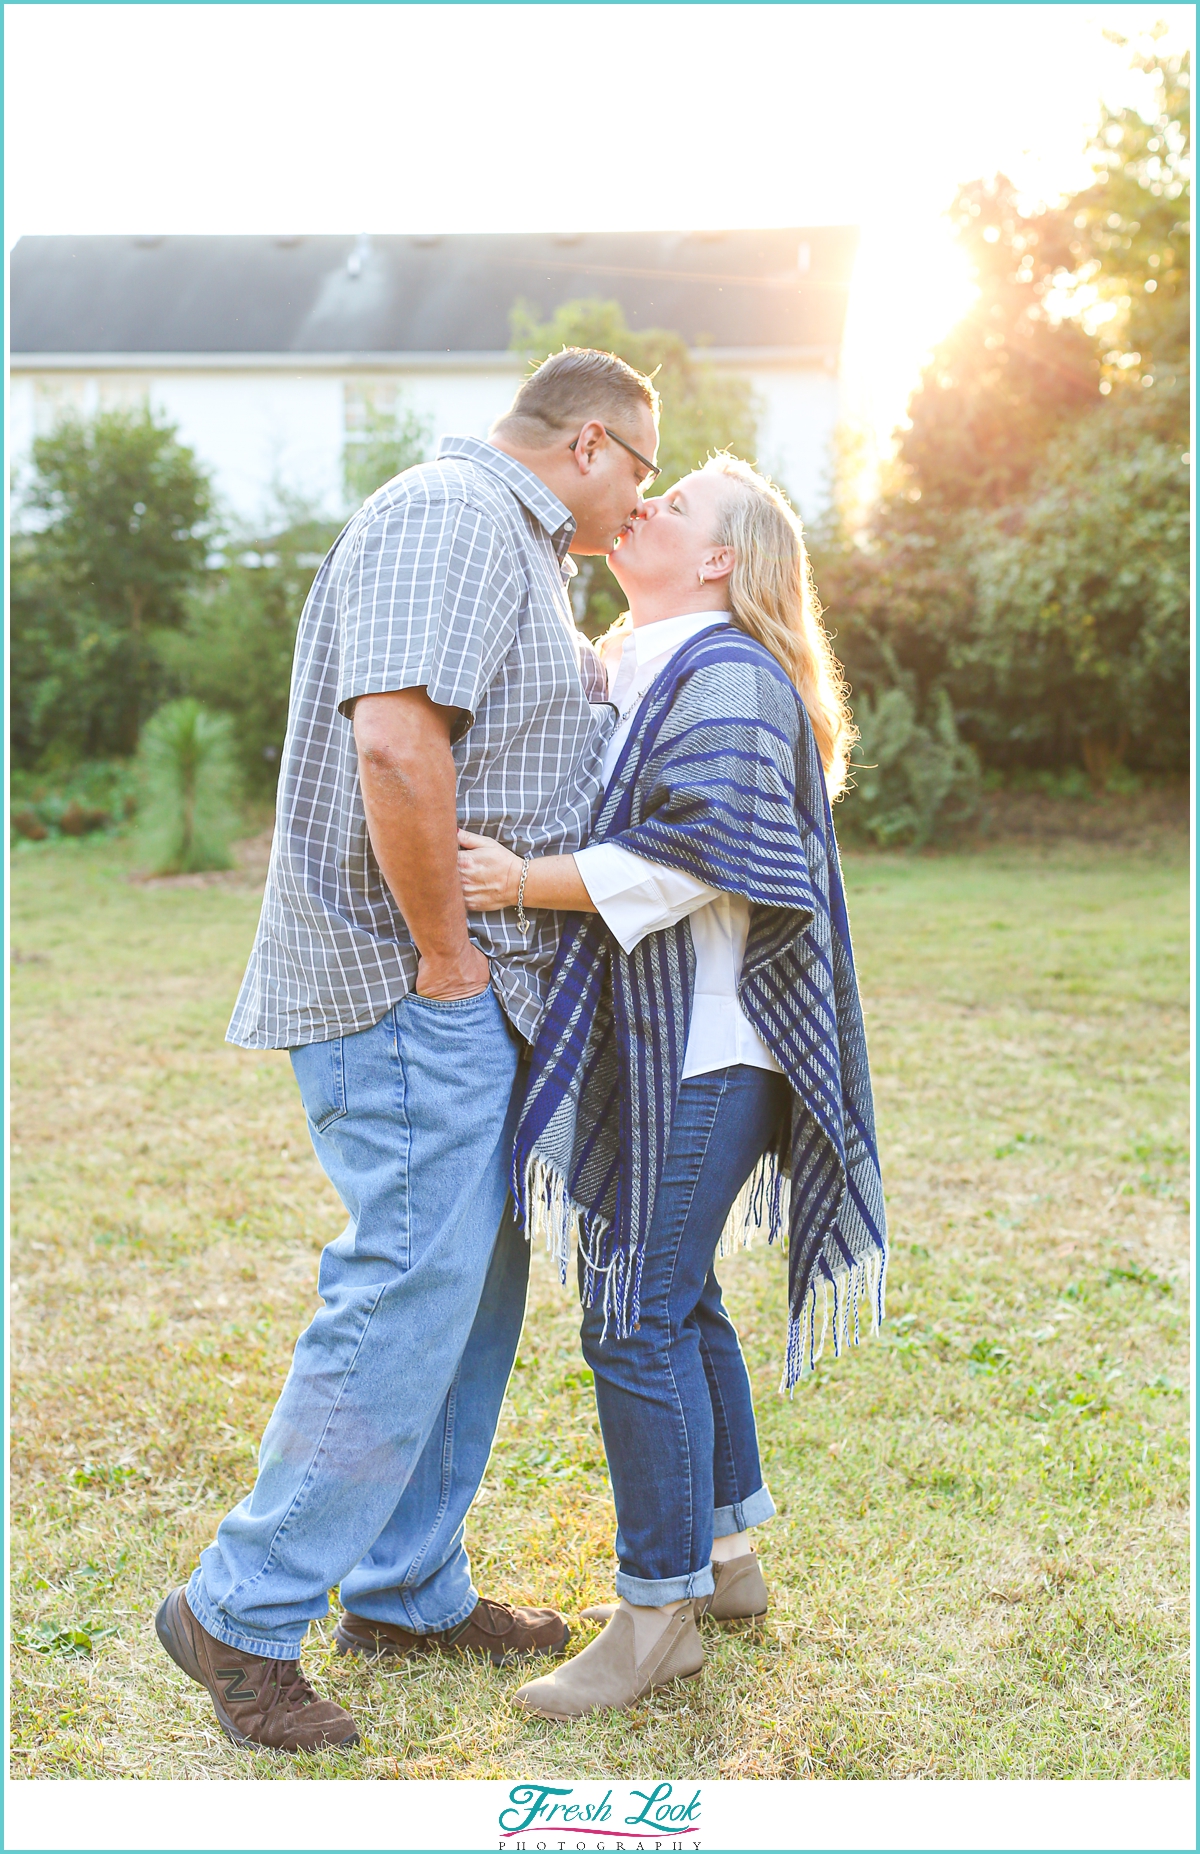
x=721 y=777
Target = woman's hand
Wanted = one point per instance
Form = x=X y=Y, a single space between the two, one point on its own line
x=491 y=875
x=488 y=872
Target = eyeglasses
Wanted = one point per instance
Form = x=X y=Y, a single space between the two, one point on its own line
x=653 y=470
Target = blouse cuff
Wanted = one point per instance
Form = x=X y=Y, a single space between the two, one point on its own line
x=634 y=896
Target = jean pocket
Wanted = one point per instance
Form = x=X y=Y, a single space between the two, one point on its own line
x=320 y=1071
x=452 y=1004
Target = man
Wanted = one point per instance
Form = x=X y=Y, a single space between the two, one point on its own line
x=438 y=680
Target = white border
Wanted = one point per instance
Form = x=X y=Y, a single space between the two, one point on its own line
x=336 y=1815
x=346 y=1816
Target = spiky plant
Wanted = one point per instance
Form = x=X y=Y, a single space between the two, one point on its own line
x=186 y=779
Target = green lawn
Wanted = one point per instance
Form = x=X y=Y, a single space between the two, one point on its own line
x=980 y=1564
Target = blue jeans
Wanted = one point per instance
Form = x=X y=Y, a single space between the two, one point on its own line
x=382 y=1431
x=674 y=1397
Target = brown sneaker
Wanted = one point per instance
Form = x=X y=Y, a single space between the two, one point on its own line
x=496 y=1631
x=257 y=1700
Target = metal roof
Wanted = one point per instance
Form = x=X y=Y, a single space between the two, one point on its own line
x=424 y=296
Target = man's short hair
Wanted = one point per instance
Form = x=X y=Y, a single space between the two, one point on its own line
x=571 y=387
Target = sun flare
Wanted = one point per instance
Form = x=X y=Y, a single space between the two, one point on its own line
x=907 y=292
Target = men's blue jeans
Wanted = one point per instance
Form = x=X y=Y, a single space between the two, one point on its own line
x=382 y=1432
x=674 y=1397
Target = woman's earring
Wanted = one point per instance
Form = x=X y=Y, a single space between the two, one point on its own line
x=701 y=579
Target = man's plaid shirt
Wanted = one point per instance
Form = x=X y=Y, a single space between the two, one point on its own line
x=450 y=578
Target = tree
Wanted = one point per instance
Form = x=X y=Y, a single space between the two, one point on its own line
x=1009 y=375
x=116 y=521
x=390 y=438
x=234 y=652
x=702 y=410
x=1005 y=381
x=1028 y=559
x=1131 y=249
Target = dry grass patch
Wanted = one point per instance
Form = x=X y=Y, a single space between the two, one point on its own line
x=980 y=1564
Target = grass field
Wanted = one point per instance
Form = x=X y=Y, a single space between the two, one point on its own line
x=980 y=1564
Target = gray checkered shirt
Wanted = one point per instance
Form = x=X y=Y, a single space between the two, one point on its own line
x=451 y=578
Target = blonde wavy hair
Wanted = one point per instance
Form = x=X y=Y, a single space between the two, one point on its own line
x=773 y=599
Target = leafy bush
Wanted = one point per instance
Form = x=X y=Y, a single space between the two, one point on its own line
x=234 y=653
x=1058 y=623
x=913 y=780
x=113 y=528
x=1081 y=632
x=1073 y=785
x=96 y=795
x=186 y=780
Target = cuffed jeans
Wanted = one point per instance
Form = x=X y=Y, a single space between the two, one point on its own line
x=382 y=1431
x=674 y=1397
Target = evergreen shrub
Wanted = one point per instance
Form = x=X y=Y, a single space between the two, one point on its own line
x=186 y=810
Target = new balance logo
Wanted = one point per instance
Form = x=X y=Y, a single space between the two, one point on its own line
x=233 y=1680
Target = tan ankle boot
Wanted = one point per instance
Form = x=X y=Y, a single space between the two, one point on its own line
x=608 y=1673
x=739 y=1595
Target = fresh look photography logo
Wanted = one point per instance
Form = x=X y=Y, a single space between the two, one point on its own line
x=544 y=1815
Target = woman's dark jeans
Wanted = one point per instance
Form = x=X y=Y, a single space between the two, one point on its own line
x=674 y=1397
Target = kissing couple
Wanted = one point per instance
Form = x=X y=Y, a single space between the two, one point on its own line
x=557 y=942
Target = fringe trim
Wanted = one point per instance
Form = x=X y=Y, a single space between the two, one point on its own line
x=764 y=1200
x=553 y=1217
x=848 y=1289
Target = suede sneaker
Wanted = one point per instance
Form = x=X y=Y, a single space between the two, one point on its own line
x=257 y=1700
x=495 y=1631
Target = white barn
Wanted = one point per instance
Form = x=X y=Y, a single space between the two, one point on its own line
x=266 y=351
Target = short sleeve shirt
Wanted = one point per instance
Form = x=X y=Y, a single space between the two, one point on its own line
x=451 y=578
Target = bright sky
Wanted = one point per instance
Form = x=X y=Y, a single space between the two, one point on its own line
x=448 y=118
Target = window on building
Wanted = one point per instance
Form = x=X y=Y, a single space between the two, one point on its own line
x=384 y=433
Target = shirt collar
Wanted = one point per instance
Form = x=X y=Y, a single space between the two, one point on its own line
x=545 y=507
x=664 y=638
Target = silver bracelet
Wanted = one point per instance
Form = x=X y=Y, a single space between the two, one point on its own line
x=522 y=917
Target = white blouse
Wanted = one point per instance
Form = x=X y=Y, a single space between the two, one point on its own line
x=635 y=896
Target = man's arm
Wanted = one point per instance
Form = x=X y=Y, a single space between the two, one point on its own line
x=407 y=774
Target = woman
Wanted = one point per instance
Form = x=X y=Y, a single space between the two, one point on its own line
x=702 y=1032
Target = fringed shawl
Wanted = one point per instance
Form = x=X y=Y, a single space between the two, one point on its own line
x=720 y=777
